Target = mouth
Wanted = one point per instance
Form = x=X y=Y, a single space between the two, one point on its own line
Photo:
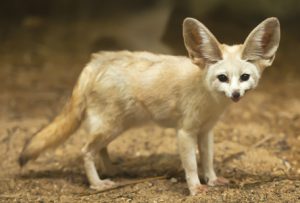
x=235 y=99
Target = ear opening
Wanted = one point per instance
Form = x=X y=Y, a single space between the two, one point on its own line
x=200 y=43
x=262 y=43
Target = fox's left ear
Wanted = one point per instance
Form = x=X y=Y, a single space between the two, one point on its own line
x=262 y=43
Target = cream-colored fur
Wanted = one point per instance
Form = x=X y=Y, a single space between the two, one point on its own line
x=120 y=90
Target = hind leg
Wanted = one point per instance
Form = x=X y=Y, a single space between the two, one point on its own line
x=106 y=165
x=101 y=133
x=92 y=174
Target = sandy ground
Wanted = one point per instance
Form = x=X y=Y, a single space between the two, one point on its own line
x=257 y=141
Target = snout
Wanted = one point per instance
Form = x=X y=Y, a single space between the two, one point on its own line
x=236 y=96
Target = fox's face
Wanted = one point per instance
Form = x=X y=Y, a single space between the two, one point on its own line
x=232 y=70
x=232 y=75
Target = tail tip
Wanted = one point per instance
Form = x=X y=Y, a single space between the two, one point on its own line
x=23 y=160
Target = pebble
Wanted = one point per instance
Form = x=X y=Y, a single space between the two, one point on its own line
x=173 y=180
x=287 y=164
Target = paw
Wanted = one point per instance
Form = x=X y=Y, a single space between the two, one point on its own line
x=219 y=181
x=103 y=185
x=198 y=189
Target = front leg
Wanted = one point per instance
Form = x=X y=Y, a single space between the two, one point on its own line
x=187 y=148
x=206 y=149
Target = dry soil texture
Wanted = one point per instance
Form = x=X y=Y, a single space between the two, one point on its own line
x=257 y=141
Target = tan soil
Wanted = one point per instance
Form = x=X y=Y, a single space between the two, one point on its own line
x=38 y=67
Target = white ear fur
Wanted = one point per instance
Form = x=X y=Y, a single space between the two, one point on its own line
x=262 y=43
x=200 y=43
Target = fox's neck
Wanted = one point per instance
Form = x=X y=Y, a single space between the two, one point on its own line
x=202 y=95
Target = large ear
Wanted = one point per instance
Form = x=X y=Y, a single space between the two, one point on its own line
x=200 y=43
x=262 y=43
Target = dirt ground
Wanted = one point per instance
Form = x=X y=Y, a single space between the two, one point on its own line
x=257 y=141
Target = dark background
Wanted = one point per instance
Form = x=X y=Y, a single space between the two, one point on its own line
x=32 y=29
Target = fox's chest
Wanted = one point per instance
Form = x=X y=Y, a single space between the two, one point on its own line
x=202 y=116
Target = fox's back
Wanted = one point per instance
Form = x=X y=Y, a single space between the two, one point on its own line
x=137 y=71
x=141 y=63
x=141 y=83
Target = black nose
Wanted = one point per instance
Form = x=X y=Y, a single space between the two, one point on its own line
x=236 y=95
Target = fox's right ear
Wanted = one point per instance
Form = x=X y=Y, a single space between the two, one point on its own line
x=200 y=43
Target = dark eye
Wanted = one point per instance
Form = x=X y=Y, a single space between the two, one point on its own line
x=222 y=78
x=245 y=77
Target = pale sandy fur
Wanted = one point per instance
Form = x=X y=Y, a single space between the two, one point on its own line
x=136 y=87
x=120 y=90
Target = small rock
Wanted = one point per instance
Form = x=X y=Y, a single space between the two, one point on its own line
x=287 y=164
x=173 y=180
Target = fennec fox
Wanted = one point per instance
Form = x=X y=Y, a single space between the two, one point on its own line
x=120 y=90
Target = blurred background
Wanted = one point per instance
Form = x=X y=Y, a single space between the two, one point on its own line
x=45 y=44
x=32 y=29
x=35 y=34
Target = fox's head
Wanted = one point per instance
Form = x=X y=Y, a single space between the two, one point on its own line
x=232 y=70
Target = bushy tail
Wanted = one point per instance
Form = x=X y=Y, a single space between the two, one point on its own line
x=66 y=123
x=63 y=126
